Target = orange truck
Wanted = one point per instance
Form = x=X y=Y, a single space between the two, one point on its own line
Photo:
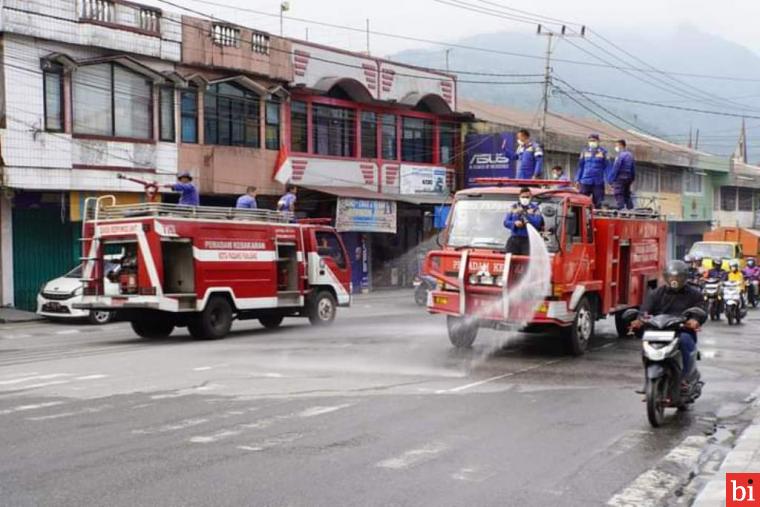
x=727 y=243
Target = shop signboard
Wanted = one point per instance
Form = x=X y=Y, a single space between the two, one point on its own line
x=365 y=215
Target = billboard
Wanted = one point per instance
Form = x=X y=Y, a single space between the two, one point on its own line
x=416 y=180
x=365 y=215
x=488 y=156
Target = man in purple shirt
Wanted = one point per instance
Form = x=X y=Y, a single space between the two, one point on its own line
x=288 y=201
x=189 y=194
x=248 y=200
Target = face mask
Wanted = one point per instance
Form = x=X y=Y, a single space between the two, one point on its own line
x=617 y=149
x=557 y=176
x=520 y=142
x=524 y=201
x=593 y=144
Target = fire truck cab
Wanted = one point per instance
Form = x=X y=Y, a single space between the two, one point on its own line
x=203 y=267
x=602 y=262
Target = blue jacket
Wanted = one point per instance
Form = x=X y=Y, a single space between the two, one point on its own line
x=530 y=214
x=530 y=161
x=593 y=166
x=246 y=201
x=624 y=168
x=189 y=195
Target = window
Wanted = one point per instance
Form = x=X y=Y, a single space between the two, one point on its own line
x=334 y=132
x=728 y=198
x=231 y=116
x=416 y=140
x=369 y=135
x=189 y=111
x=745 y=199
x=647 y=180
x=166 y=114
x=389 y=137
x=299 y=137
x=273 y=125
x=693 y=183
x=52 y=82
x=573 y=226
x=329 y=246
x=447 y=145
x=225 y=35
x=110 y=100
x=671 y=181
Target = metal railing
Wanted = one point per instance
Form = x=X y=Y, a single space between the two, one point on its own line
x=149 y=20
x=164 y=210
x=97 y=10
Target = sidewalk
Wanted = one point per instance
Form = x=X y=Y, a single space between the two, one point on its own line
x=12 y=315
x=744 y=457
x=383 y=294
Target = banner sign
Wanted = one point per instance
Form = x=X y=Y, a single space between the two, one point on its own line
x=365 y=215
x=487 y=156
x=423 y=180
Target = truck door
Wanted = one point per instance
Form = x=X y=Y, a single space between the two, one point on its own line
x=333 y=267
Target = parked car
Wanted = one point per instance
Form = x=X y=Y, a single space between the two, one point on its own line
x=57 y=297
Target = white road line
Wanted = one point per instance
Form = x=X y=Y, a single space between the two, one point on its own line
x=92 y=377
x=68 y=331
x=497 y=377
x=35 y=377
x=86 y=410
x=24 y=408
x=180 y=425
x=215 y=437
x=46 y=384
x=202 y=368
x=271 y=442
x=315 y=411
x=413 y=457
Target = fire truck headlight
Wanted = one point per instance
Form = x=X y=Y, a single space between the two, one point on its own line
x=499 y=281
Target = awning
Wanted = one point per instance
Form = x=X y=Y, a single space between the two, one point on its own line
x=363 y=193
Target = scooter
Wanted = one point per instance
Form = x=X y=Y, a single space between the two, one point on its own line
x=712 y=293
x=422 y=285
x=733 y=302
x=663 y=363
x=753 y=291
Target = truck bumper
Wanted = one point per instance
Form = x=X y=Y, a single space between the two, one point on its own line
x=491 y=309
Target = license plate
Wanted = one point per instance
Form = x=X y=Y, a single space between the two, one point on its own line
x=659 y=336
x=441 y=300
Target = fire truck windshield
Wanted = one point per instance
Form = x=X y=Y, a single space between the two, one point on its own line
x=479 y=223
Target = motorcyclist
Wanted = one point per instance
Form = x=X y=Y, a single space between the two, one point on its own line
x=735 y=275
x=716 y=271
x=694 y=274
x=675 y=298
x=699 y=262
x=751 y=271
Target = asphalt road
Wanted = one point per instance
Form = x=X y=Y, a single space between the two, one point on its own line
x=376 y=410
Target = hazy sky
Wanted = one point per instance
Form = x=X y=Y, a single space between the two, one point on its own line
x=736 y=20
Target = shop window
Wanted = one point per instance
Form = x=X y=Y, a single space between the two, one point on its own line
x=189 y=111
x=369 y=134
x=272 y=125
x=389 y=137
x=52 y=82
x=231 y=116
x=334 y=132
x=110 y=100
x=299 y=136
x=166 y=114
x=448 y=142
x=745 y=199
x=728 y=198
x=416 y=140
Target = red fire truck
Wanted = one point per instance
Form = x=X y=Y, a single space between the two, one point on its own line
x=602 y=262
x=202 y=267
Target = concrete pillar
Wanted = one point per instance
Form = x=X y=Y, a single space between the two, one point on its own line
x=6 y=252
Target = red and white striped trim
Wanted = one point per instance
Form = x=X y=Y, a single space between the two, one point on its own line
x=300 y=62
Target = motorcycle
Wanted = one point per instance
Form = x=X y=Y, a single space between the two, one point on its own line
x=422 y=285
x=733 y=304
x=753 y=291
x=663 y=363
x=713 y=294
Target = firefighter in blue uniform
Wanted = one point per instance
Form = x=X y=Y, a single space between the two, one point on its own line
x=529 y=156
x=622 y=176
x=593 y=166
x=518 y=217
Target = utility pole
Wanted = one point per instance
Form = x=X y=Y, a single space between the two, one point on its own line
x=284 y=7
x=448 y=51
x=550 y=35
x=367 y=36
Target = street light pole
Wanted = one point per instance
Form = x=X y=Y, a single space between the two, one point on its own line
x=284 y=7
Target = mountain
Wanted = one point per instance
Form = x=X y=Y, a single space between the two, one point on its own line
x=685 y=50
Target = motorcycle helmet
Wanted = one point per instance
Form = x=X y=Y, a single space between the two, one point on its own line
x=688 y=259
x=733 y=265
x=717 y=263
x=751 y=262
x=698 y=258
x=676 y=274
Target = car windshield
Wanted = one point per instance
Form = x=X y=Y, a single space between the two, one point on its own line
x=712 y=250
x=479 y=223
x=75 y=273
x=108 y=266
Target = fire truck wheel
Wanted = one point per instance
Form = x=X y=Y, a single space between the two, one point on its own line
x=322 y=308
x=214 y=322
x=271 y=321
x=461 y=333
x=621 y=326
x=153 y=327
x=579 y=334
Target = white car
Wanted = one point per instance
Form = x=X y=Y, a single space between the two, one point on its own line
x=57 y=297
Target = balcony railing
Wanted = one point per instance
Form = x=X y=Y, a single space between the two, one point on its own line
x=122 y=15
x=260 y=43
x=225 y=35
x=149 y=20
x=97 y=10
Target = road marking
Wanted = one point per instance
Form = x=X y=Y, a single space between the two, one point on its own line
x=92 y=377
x=497 y=377
x=186 y=423
x=36 y=377
x=202 y=368
x=272 y=442
x=656 y=484
x=413 y=457
x=315 y=411
x=46 y=384
x=86 y=410
x=468 y=474
x=24 y=408
x=215 y=437
x=68 y=331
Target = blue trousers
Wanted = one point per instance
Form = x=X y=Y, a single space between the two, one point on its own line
x=622 y=190
x=596 y=191
x=688 y=344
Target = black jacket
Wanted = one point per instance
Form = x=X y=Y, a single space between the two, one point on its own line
x=662 y=301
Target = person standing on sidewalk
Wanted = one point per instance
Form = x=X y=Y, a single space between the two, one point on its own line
x=622 y=176
x=592 y=167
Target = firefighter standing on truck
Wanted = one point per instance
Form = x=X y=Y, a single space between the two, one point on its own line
x=593 y=165
x=622 y=175
x=529 y=156
x=288 y=201
x=518 y=217
x=189 y=194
